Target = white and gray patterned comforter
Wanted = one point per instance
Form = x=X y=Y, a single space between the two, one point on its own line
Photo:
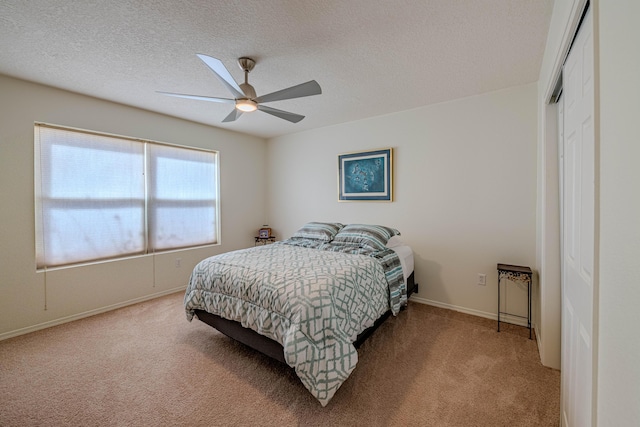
x=313 y=302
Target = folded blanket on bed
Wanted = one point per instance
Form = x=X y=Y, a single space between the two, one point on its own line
x=314 y=302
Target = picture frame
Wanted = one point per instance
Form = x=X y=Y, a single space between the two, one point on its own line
x=366 y=176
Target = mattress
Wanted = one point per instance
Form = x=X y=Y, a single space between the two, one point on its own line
x=405 y=253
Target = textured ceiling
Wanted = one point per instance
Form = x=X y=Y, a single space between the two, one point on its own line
x=371 y=57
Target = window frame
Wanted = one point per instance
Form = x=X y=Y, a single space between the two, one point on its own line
x=42 y=263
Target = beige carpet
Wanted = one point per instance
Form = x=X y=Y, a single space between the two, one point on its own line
x=145 y=365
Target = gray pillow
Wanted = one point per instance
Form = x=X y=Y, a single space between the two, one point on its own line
x=324 y=231
x=366 y=236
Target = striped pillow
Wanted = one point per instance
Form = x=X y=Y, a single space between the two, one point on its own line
x=366 y=236
x=324 y=231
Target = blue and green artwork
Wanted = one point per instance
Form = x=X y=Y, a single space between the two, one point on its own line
x=365 y=175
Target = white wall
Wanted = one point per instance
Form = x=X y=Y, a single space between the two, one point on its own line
x=618 y=390
x=73 y=292
x=465 y=189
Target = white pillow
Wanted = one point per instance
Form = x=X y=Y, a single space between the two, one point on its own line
x=394 y=241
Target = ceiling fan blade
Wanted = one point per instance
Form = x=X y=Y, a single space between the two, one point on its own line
x=222 y=73
x=292 y=117
x=200 y=98
x=304 y=89
x=233 y=116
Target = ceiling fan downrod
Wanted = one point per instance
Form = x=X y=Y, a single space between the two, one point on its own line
x=246 y=65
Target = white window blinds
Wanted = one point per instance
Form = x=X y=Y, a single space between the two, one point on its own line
x=101 y=196
x=182 y=197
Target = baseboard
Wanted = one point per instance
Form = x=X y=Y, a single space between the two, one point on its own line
x=60 y=321
x=538 y=340
x=503 y=317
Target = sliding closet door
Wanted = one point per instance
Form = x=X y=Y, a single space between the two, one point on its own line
x=578 y=230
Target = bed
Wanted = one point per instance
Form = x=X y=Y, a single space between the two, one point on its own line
x=308 y=301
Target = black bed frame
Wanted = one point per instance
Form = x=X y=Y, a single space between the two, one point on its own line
x=273 y=348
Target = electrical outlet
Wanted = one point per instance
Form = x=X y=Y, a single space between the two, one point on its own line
x=178 y=261
x=482 y=279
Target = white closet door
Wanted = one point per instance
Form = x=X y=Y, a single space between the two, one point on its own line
x=578 y=230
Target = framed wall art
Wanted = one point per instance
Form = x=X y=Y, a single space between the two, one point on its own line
x=366 y=175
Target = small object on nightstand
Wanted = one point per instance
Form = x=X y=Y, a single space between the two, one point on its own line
x=264 y=232
x=516 y=273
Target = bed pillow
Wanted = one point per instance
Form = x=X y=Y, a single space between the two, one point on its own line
x=324 y=231
x=395 y=241
x=366 y=236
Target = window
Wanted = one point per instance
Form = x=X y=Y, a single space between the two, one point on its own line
x=101 y=196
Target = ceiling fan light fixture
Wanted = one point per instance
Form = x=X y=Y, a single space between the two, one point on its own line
x=246 y=105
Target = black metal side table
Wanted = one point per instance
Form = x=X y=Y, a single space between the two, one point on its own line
x=520 y=274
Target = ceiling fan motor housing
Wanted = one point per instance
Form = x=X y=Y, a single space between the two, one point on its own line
x=248 y=90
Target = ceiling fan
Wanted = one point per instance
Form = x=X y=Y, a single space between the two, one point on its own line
x=244 y=95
